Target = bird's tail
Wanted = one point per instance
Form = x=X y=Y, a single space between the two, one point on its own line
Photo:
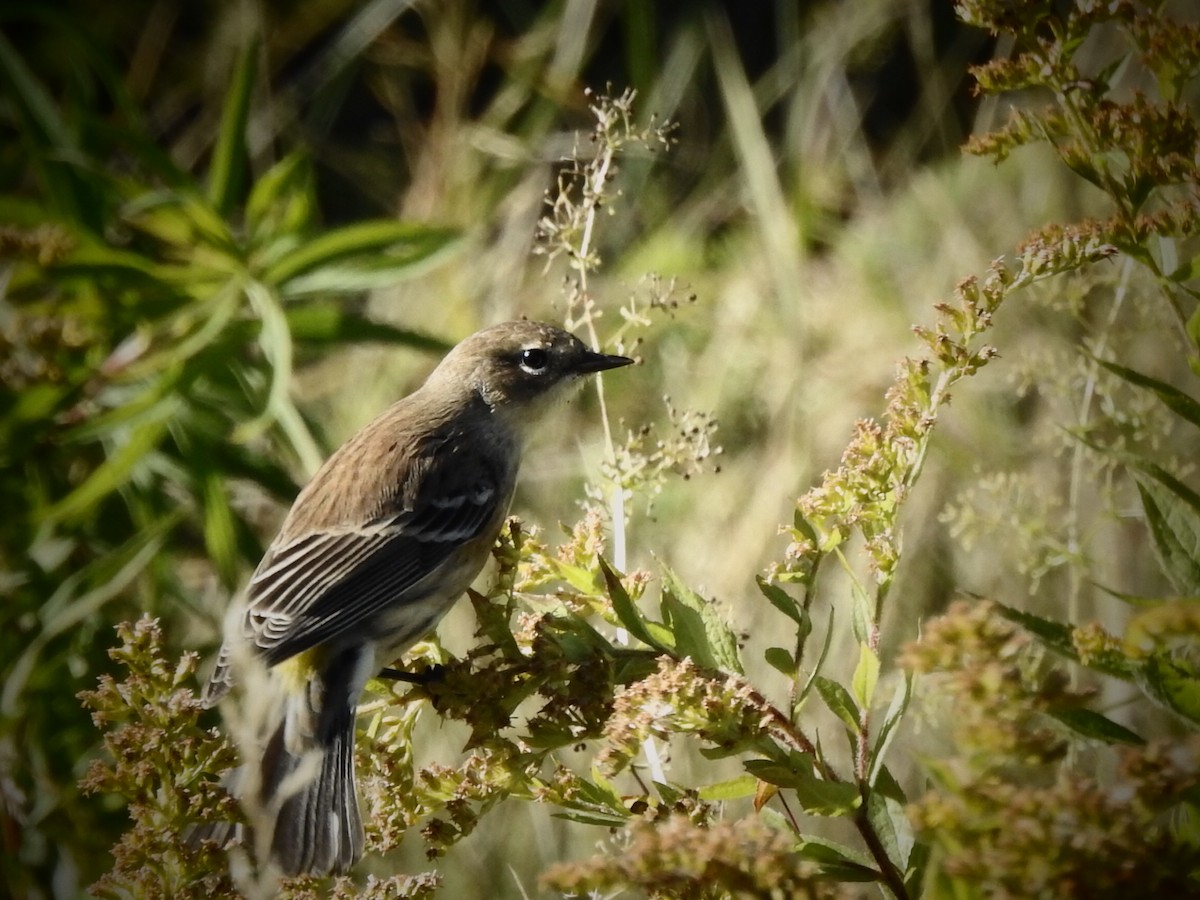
x=309 y=794
x=296 y=784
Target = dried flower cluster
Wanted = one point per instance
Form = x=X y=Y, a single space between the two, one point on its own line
x=1074 y=838
x=164 y=765
x=680 y=699
x=680 y=858
x=996 y=696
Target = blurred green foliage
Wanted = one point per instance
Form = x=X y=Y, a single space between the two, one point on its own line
x=150 y=323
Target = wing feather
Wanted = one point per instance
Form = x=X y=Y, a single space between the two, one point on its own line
x=317 y=585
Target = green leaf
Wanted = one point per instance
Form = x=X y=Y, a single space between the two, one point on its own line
x=1176 y=400
x=866 y=676
x=276 y=342
x=328 y=323
x=892 y=826
x=839 y=701
x=281 y=200
x=34 y=100
x=1185 y=271
x=1131 y=599
x=780 y=660
x=229 y=159
x=220 y=531
x=1057 y=637
x=626 y=611
x=816 y=669
x=1090 y=724
x=367 y=248
x=81 y=595
x=837 y=860
x=826 y=798
x=1174 y=683
x=782 y=601
x=732 y=789
x=92 y=261
x=700 y=630
x=1173 y=515
x=598 y=820
x=887 y=731
x=111 y=475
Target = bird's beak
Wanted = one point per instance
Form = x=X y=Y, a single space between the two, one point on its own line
x=599 y=362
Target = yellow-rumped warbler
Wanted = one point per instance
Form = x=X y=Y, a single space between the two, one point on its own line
x=389 y=532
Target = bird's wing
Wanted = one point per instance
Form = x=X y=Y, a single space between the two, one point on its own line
x=313 y=586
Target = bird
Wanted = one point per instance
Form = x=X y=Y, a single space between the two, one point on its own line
x=378 y=545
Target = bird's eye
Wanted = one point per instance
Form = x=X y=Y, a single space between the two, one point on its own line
x=534 y=360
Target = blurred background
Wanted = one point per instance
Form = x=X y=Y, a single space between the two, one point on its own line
x=816 y=204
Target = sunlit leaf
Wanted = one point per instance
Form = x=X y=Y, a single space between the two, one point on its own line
x=1173 y=514
x=865 y=677
x=701 y=632
x=281 y=200
x=627 y=612
x=370 y=249
x=1173 y=682
x=732 y=789
x=839 y=701
x=781 y=600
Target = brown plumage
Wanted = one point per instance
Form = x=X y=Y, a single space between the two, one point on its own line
x=389 y=532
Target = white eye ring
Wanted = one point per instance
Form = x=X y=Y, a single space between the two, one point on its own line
x=535 y=360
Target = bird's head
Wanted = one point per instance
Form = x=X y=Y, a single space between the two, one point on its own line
x=520 y=368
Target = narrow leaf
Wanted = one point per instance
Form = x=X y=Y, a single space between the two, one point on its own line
x=280 y=200
x=626 y=611
x=328 y=323
x=781 y=600
x=1057 y=637
x=371 y=241
x=888 y=730
x=1179 y=402
x=1093 y=725
x=816 y=669
x=220 y=531
x=866 y=676
x=111 y=475
x=229 y=159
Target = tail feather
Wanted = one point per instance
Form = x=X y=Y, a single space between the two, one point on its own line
x=318 y=828
x=299 y=795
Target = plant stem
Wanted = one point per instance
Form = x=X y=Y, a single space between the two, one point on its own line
x=892 y=876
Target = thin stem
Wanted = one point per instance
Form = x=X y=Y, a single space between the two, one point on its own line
x=892 y=876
